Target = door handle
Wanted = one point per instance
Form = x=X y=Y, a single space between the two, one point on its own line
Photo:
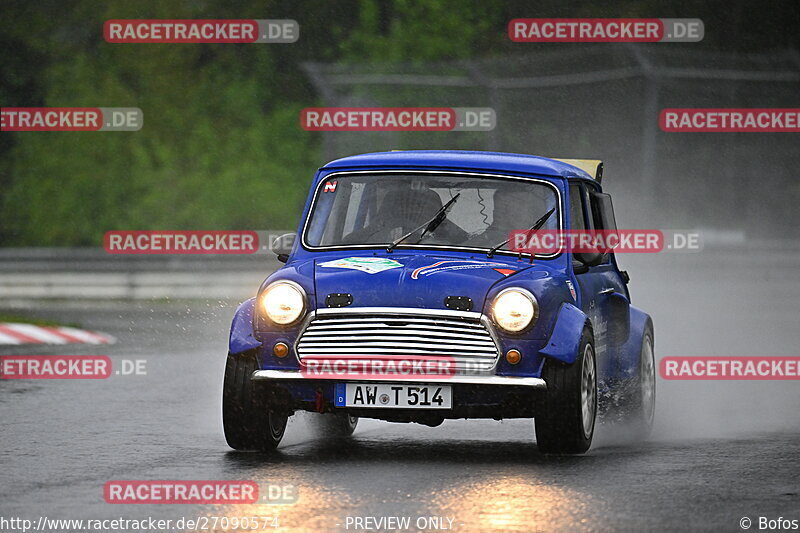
x=607 y=290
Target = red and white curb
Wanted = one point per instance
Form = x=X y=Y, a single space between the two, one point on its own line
x=29 y=334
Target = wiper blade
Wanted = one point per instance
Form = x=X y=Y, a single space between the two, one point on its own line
x=539 y=223
x=429 y=225
x=437 y=220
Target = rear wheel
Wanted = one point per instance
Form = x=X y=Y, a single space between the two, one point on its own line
x=565 y=418
x=640 y=406
x=337 y=425
x=247 y=419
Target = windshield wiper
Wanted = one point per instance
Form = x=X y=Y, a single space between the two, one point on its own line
x=429 y=225
x=539 y=223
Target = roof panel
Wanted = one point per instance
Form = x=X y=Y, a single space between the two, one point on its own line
x=460 y=159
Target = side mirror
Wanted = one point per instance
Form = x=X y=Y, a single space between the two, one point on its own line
x=588 y=258
x=579 y=268
x=282 y=246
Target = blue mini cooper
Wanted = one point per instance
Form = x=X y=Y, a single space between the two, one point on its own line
x=402 y=298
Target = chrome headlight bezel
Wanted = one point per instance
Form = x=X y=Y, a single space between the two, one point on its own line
x=533 y=312
x=264 y=311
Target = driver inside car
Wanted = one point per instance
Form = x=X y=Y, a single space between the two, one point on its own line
x=512 y=210
x=401 y=210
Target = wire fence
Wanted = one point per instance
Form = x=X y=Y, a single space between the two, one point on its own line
x=603 y=102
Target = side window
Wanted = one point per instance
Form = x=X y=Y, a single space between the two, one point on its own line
x=603 y=211
x=576 y=219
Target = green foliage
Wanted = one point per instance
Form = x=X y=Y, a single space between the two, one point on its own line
x=20 y=319
x=413 y=31
x=221 y=146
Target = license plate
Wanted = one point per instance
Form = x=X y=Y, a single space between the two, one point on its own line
x=393 y=395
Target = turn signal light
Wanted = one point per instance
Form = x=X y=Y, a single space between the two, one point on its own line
x=513 y=356
x=281 y=349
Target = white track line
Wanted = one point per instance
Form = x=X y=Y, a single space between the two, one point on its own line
x=88 y=337
x=30 y=334
x=8 y=339
x=37 y=333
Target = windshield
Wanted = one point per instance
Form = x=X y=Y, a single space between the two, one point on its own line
x=377 y=209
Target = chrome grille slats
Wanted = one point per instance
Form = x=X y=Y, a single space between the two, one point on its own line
x=404 y=332
x=458 y=324
x=419 y=342
x=384 y=348
x=396 y=334
x=475 y=335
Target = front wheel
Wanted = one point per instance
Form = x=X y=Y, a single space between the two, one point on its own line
x=565 y=418
x=247 y=419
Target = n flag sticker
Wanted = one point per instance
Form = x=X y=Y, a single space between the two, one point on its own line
x=330 y=186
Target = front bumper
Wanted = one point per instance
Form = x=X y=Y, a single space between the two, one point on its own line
x=508 y=381
x=474 y=396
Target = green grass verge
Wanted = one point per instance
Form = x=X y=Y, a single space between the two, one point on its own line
x=17 y=319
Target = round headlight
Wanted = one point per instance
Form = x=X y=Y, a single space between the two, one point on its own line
x=283 y=302
x=515 y=310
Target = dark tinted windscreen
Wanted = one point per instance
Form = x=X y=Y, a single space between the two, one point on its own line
x=377 y=209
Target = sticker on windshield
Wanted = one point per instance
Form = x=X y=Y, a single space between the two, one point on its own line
x=330 y=186
x=443 y=266
x=370 y=265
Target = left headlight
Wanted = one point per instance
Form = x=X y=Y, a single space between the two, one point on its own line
x=515 y=310
x=283 y=302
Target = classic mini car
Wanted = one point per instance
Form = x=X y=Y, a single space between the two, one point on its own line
x=403 y=298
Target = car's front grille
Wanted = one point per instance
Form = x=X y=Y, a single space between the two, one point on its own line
x=396 y=334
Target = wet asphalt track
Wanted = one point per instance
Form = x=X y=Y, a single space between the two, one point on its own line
x=720 y=452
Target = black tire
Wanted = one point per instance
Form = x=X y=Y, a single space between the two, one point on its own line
x=639 y=407
x=566 y=415
x=247 y=419
x=336 y=425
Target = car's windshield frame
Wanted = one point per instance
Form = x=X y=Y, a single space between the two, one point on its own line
x=428 y=246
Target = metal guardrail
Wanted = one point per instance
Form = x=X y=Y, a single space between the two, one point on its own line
x=98 y=260
x=91 y=273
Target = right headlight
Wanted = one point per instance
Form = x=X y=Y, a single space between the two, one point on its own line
x=514 y=310
x=284 y=302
